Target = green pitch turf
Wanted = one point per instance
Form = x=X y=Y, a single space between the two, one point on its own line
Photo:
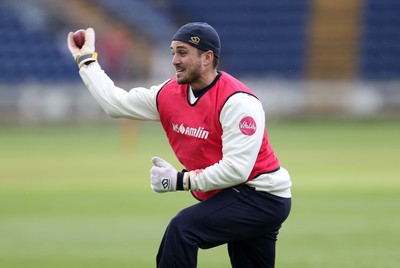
x=79 y=196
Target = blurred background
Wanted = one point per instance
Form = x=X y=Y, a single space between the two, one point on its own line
x=306 y=58
x=74 y=183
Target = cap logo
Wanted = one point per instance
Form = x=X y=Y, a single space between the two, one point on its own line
x=194 y=40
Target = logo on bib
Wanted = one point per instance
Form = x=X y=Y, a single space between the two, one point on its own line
x=248 y=126
x=198 y=132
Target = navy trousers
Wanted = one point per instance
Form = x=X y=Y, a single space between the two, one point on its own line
x=248 y=221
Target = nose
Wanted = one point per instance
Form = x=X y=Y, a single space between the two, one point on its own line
x=175 y=60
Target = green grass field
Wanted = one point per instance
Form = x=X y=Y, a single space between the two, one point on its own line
x=79 y=196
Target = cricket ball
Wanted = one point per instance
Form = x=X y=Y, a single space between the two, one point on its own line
x=79 y=38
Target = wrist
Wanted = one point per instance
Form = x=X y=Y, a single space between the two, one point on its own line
x=186 y=181
x=183 y=181
x=86 y=59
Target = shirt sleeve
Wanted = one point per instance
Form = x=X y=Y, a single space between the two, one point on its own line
x=239 y=148
x=137 y=103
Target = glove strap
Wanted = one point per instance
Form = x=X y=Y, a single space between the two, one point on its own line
x=183 y=181
x=186 y=181
x=86 y=59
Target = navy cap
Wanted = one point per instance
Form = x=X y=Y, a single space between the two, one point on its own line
x=200 y=35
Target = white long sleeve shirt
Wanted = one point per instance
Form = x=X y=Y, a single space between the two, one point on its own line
x=140 y=103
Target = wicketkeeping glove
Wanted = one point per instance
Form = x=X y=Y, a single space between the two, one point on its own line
x=87 y=52
x=165 y=178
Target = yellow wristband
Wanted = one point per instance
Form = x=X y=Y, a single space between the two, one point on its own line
x=85 y=58
x=187 y=181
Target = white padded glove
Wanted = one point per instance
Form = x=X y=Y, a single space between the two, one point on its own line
x=87 y=52
x=165 y=178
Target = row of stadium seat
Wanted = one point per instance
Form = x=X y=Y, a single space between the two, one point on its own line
x=259 y=38
x=380 y=42
x=30 y=55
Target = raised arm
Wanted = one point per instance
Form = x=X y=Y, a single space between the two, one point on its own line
x=137 y=103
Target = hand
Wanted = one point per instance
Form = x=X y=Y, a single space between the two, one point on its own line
x=163 y=176
x=88 y=46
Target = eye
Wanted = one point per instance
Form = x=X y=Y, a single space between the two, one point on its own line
x=182 y=53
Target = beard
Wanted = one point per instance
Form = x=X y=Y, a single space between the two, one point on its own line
x=191 y=76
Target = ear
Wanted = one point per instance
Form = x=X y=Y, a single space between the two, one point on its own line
x=208 y=57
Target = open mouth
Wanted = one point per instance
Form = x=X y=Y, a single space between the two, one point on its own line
x=179 y=71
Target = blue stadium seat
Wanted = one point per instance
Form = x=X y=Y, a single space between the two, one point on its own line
x=262 y=38
x=259 y=38
x=380 y=51
x=32 y=54
x=150 y=21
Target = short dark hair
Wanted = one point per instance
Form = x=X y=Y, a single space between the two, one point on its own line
x=215 y=62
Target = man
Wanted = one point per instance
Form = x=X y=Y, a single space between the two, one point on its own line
x=216 y=127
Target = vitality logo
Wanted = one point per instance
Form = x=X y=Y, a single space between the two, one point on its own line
x=198 y=132
x=247 y=126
